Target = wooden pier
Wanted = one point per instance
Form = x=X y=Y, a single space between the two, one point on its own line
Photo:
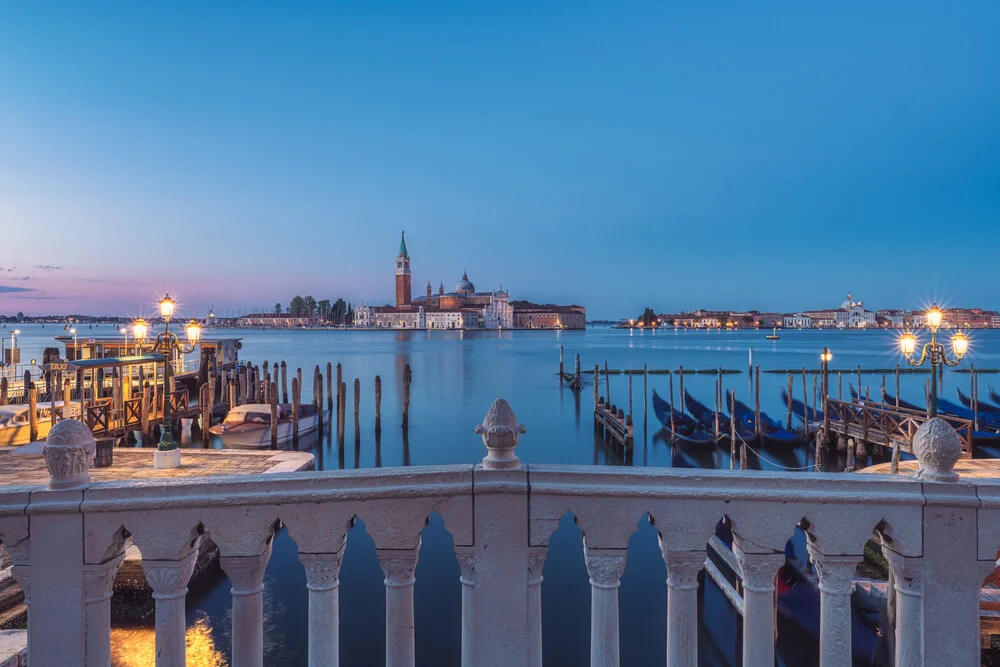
x=868 y=422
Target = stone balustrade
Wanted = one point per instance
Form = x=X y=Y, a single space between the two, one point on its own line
x=940 y=538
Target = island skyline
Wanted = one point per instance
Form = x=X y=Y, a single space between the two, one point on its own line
x=769 y=156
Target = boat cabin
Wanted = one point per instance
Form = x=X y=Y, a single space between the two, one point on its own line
x=260 y=413
x=223 y=352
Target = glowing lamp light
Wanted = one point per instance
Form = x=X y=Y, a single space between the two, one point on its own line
x=166 y=307
x=140 y=329
x=934 y=317
x=17 y=332
x=908 y=343
x=193 y=332
x=960 y=343
x=826 y=356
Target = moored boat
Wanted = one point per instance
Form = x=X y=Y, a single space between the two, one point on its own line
x=771 y=431
x=248 y=426
x=15 y=421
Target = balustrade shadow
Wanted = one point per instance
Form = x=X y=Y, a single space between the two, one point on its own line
x=643 y=594
x=565 y=598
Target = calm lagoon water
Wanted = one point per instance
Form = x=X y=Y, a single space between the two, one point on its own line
x=456 y=376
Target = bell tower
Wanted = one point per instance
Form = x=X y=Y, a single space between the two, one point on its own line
x=402 y=274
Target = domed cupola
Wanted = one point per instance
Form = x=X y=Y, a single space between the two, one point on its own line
x=464 y=286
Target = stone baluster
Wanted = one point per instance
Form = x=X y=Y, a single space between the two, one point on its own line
x=536 y=562
x=246 y=573
x=168 y=579
x=467 y=566
x=909 y=590
x=758 y=572
x=836 y=582
x=97 y=583
x=682 y=604
x=323 y=583
x=605 y=568
x=399 y=566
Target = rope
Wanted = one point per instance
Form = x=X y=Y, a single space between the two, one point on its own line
x=769 y=462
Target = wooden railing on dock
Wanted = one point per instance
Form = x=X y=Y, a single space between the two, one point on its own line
x=888 y=425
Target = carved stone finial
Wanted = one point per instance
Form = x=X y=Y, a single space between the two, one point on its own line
x=69 y=450
x=937 y=448
x=500 y=432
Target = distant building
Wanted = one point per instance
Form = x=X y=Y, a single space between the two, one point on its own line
x=796 y=321
x=273 y=320
x=851 y=315
x=533 y=316
x=462 y=308
x=891 y=319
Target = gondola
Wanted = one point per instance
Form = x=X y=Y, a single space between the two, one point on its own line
x=706 y=418
x=686 y=428
x=983 y=407
x=799 y=410
x=771 y=432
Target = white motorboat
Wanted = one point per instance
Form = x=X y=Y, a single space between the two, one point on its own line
x=249 y=426
x=15 y=423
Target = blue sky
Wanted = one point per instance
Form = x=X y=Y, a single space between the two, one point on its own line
x=680 y=155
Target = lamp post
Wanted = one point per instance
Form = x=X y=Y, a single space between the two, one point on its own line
x=825 y=357
x=13 y=343
x=76 y=350
x=167 y=454
x=934 y=351
x=124 y=332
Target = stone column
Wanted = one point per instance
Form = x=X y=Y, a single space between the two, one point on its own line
x=536 y=562
x=97 y=582
x=605 y=567
x=467 y=565
x=399 y=566
x=246 y=573
x=758 y=572
x=836 y=582
x=168 y=579
x=909 y=590
x=323 y=583
x=682 y=605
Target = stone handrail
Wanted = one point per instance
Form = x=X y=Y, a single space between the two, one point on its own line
x=940 y=539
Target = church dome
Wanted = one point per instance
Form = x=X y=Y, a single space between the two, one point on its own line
x=464 y=286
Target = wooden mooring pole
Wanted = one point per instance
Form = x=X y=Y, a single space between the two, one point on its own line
x=340 y=381
x=284 y=382
x=805 y=398
x=205 y=403
x=597 y=385
x=680 y=389
x=630 y=395
x=673 y=427
x=732 y=430
x=32 y=412
x=645 y=394
x=357 y=409
x=577 y=374
x=3 y=391
x=790 y=388
x=560 y=364
x=607 y=383
x=406 y=397
x=272 y=391
x=329 y=387
x=319 y=401
x=378 y=404
x=756 y=399
x=341 y=407
x=296 y=397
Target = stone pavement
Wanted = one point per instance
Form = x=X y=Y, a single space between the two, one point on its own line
x=13 y=648
x=967 y=468
x=26 y=466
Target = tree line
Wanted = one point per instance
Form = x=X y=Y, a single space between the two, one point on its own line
x=338 y=312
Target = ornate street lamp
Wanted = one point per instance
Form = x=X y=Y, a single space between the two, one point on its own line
x=934 y=350
x=167 y=455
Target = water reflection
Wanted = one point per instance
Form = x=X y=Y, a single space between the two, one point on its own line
x=137 y=646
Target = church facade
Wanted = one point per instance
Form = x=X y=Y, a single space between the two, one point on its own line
x=461 y=308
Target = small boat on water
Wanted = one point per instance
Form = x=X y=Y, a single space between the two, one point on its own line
x=771 y=432
x=774 y=335
x=686 y=428
x=983 y=407
x=248 y=426
x=706 y=417
x=15 y=421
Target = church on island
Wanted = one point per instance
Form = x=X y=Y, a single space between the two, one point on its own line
x=462 y=308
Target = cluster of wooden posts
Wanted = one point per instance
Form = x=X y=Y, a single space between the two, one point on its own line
x=260 y=384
